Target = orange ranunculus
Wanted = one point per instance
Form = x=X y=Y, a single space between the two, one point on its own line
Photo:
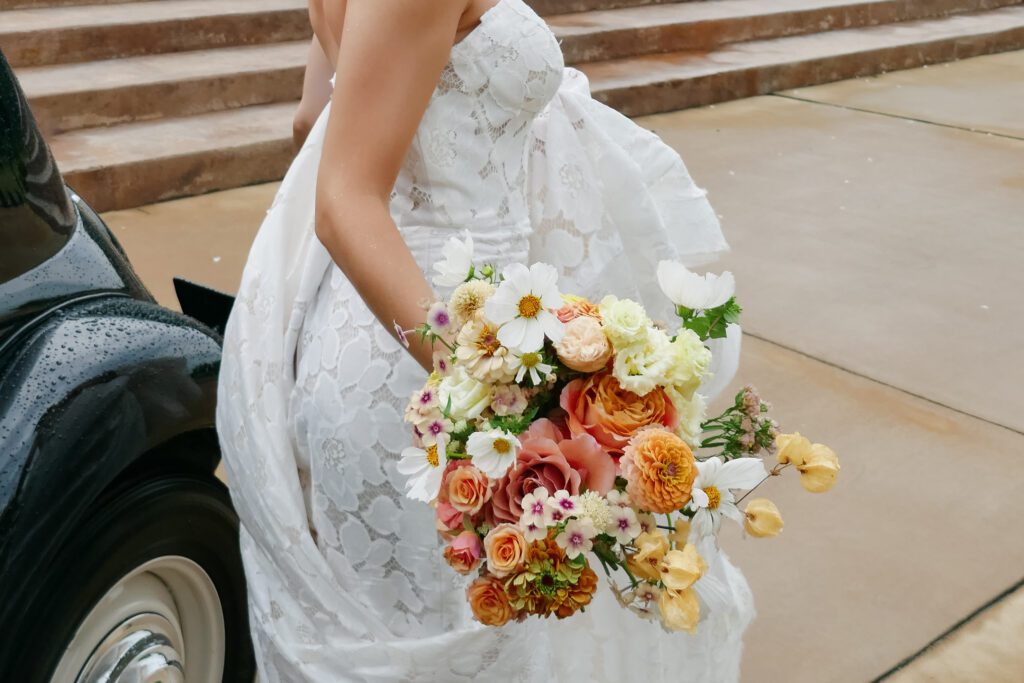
x=464 y=552
x=489 y=601
x=505 y=547
x=659 y=469
x=599 y=406
x=465 y=488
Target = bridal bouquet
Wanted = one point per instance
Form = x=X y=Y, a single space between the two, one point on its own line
x=556 y=432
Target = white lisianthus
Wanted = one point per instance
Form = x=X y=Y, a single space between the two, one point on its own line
x=644 y=365
x=713 y=491
x=522 y=307
x=462 y=396
x=493 y=452
x=457 y=265
x=691 y=415
x=695 y=292
x=689 y=362
x=624 y=321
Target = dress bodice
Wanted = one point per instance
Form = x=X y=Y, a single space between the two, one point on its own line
x=465 y=168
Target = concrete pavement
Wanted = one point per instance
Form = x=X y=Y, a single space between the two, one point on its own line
x=878 y=231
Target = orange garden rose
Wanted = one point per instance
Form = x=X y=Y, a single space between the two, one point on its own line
x=599 y=406
x=463 y=553
x=489 y=601
x=659 y=469
x=505 y=547
x=577 y=307
x=466 y=489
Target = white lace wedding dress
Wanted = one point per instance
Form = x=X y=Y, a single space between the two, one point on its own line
x=346 y=578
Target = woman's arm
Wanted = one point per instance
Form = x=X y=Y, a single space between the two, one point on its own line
x=390 y=57
x=316 y=92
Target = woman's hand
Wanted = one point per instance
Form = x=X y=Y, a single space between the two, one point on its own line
x=390 y=58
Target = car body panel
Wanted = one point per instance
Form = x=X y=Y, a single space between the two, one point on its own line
x=97 y=381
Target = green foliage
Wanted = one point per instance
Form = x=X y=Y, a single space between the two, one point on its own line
x=516 y=424
x=712 y=323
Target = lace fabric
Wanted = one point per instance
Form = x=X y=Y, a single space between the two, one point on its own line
x=346 y=577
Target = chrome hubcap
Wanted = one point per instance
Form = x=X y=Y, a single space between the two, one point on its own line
x=162 y=623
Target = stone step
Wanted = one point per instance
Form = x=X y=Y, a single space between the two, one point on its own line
x=140 y=163
x=551 y=7
x=25 y=4
x=60 y=35
x=90 y=94
x=634 y=31
x=665 y=82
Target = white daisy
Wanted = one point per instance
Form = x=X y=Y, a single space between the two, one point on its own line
x=425 y=468
x=713 y=490
x=457 y=265
x=530 y=363
x=576 y=538
x=493 y=452
x=695 y=292
x=522 y=306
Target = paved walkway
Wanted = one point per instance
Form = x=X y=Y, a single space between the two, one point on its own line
x=878 y=235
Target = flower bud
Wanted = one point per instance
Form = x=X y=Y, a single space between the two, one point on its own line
x=762 y=519
x=680 y=569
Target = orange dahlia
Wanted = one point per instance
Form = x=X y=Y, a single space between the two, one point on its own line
x=659 y=469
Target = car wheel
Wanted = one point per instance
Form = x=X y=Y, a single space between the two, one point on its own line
x=149 y=589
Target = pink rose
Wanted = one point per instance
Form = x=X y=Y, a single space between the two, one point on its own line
x=448 y=518
x=548 y=459
x=464 y=552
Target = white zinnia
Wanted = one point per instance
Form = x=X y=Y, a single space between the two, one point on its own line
x=425 y=469
x=522 y=306
x=696 y=292
x=713 y=490
x=493 y=452
x=457 y=264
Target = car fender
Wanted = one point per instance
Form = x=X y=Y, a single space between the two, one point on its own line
x=89 y=392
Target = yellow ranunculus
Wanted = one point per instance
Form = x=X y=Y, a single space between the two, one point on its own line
x=819 y=471
x=792 y=448
x=680 y=610
x=762 y=519
x=651 y=547
x=680 y=569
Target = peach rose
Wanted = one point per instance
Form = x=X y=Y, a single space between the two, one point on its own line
x=489 y=601
x=599 y=406
x=505 y=547
x=465 y=488
x=577 y=307
x=554 y=460
x=584 y=346
x=659 y=469
x=464 y=552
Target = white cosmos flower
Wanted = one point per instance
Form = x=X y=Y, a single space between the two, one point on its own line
x=713 y=490
x=522 y=306
x=696 y=292
x=425 y=468
x=457 y=264
x=530 y=363
x=493 y=452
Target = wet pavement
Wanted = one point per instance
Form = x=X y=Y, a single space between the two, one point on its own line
x=877 y=229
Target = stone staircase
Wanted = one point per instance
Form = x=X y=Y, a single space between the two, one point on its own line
x=144 y=101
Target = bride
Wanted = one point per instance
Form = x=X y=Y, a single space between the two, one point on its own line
x=447 y=116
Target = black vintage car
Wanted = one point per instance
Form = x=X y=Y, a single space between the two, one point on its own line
x=119 y=552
